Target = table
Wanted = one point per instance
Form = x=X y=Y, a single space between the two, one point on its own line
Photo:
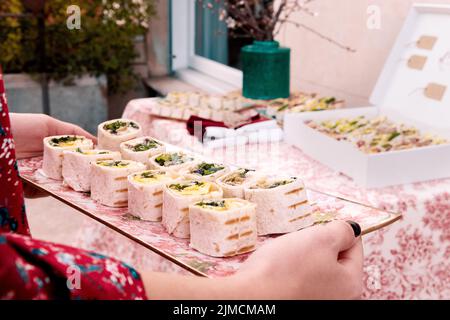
x=408 y=260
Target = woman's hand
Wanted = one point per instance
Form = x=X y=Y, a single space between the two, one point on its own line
x=30 y=129
x=321 y=262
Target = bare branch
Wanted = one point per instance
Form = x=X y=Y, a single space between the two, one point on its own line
x=320 y=35
x=276 y=17
x=252 y=16
x=267 y=24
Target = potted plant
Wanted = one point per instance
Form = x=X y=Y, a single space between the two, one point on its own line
x=266 y=65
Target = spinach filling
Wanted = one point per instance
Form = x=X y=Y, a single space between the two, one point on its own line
x=206 y=169
x=114 y=127
x=170 y=159
x=83 y=152
x=56 y=141
x=217 y=204
x=118 y=164
x=237 y=177
x=393 y=136
x=181 y=187
x=272 y=185
x=151 y=175
x=243 y=172
x=144 y=146
x=279 y=183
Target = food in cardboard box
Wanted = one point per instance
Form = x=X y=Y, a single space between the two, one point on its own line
x=376 y=135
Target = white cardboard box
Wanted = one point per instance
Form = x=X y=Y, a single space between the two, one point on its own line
x=399 y=95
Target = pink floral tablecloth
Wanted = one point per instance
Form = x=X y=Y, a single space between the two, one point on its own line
x=407 y=260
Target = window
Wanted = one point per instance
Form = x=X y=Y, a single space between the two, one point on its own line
x=212 y=39
x=203 y=52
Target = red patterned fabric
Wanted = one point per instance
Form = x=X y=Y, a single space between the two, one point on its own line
x=12 y=208
x=31 y=269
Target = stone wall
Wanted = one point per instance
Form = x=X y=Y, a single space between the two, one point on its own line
x=83 y=103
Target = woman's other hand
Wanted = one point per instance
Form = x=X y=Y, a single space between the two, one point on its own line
x=321 y=262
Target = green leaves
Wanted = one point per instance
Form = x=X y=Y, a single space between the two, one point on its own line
x=103 y=46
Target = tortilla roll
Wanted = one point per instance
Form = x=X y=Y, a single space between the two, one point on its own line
x=187 y=113
x=205 y=171
x=194 y=99
x=145 y=193
x=155 y=108
x=177 y=97
x=53 y=152
x=76 y=166
x=281 y=203
x=141 y=149
x=215 y=102
x=229 y=103
x=223 y=228
x=166 y=109
x=172 y=97
x=113 y=132
x=171 y=161
x=109 y=184
x=178 y=111
x=218 y=115
x=204 y=102
x=234 y=182
x=177 y=197
x=205 y=113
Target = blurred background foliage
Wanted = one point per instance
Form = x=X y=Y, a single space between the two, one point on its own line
x=103 y=46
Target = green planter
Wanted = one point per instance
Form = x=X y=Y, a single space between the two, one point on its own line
x=266 y=68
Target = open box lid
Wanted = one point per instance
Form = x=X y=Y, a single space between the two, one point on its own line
x=415 y=81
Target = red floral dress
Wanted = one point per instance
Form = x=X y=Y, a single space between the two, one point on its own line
x=32 y=269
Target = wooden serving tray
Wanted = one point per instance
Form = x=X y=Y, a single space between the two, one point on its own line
x=152 y=235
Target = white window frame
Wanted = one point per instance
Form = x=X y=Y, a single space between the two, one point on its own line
x=198 y=71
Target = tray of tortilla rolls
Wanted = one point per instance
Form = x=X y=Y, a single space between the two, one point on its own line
x=202 y=215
